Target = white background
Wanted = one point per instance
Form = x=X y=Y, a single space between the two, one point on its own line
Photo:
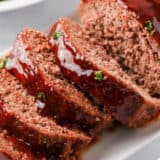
x=39 y=16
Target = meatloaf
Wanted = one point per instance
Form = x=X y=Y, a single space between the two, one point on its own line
x=101 y=76
x=19 y=116
x=12 y=149
x=34 y=64
x=129 y=31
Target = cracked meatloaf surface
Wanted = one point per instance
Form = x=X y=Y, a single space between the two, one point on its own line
x=19 y=115
x=129 y=32
x=101 y=76
x=34 y=64
x=11 y=149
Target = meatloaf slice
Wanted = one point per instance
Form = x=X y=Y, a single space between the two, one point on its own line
x=34 y=65
x=129 y=31
x=101 y=76
x=18 y=114
x=11 y=149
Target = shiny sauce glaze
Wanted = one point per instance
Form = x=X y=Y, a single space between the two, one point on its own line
x=122 y=102
x=146 y=10
x=63 y=111
x=30 y=77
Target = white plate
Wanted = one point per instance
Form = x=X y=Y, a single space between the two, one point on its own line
x=9 y=5
x=123 y=144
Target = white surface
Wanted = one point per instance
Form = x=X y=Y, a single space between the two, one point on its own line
x=16 y=4
x=39 y=16
x=150 y=152
x=122 y=144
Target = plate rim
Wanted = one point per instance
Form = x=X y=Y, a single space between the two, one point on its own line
x=7 y=6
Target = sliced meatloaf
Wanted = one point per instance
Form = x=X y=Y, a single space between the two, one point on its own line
x=34 y=64
x=130 y=32
x=11 y=149
x=101 y=76
x=18 y=114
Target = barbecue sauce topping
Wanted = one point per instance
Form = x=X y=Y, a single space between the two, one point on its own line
x=146 y=10
x=31 y=78
x=50 y=102
x=121 y=101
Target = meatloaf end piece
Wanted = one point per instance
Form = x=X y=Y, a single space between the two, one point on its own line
x=34 y=64
x=101 y=76
x=19 y=116
x=129 y=31
x=12 y=149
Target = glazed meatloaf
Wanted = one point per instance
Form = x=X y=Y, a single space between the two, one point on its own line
x=101 y=76
x=33 y=63
x=11 y=149
x=129 y=31
x=19 y=116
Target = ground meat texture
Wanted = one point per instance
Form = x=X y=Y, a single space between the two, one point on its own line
x=18 y=114
x=34 y=64
x=12 y=149
x=119 y=26
x=101 y=76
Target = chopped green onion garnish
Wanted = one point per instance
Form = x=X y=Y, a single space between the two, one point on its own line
x=56 y=35
x=98 y=75
x=150 y=27
x=3 y=62
x=41 y=96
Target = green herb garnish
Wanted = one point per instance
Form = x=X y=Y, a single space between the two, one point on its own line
x=41 y=96
x=98 y=75
x=56 y=35
x=150 y=27
x=3 y=62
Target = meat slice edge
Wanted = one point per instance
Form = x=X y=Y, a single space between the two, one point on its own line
x=101 y=76
x=34 y=64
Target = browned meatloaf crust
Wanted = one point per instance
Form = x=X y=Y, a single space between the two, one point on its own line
x=18 y=114
x=129 y=31
x=101 y=76
x=11 y=149
x=33 y=63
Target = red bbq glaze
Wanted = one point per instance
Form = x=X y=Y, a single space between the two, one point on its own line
x=146 y=10
x=64 y=112
x=33 y=80
x=30 y=77
x=121 y=101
